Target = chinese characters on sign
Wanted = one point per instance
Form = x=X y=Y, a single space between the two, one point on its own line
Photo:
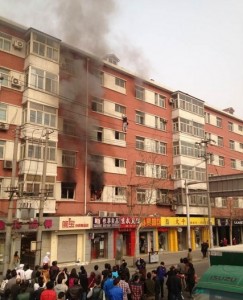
x=151 y=222
x=129 y=222
x=73 y=223
x=181 y=221
x=106 y=222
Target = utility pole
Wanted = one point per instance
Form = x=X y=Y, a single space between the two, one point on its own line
x=42 y=203
x=9 y=223
x=188 y=217
x=205 y=155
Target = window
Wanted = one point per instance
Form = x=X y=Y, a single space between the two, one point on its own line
x=5 y=74
x=160 y=123
x=120 y=82
x=218 y=122
x=2 y=148
x=42 y=114
x=68 y=158
x=230 y=126
x=120 y=191
x=69 y=127
x=159 y=100
x=45 y=46
x=44 y=80
x=3 y=112
x=36 y=150
x=5 y=42
x=121 y=109
x=220 y=141
x=161 y=197
x=141 y=195
x=240 y=127
x=241 y=163
x=98 y=134
x=121 y=163
x=100 y=76
x=119 y=135
x=160 y=147
x=207 y=117
x=140 y=169
x=97 y=105
x=67 y=190
x=208 y=136
x=235 y=202
x=224 y=202
x=221 y=161
x=140 y=142
x=139 y=92
x=200 y=174
x=161 y=171
x=140 y=116
x=233 y=163
x=232 y=145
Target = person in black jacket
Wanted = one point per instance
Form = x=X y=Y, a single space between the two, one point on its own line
x=157 y=284
x=75 y=292
x=83 y=279
x=174 y=285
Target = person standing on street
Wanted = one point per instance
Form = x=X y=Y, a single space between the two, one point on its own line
x=149 y=287
x=189 y=255
x=46 y=259
x=116 y=292
x=157 y=286
x=161 y=273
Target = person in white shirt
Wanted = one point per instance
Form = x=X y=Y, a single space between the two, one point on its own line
x=20 y=272
x=46 y=259
x=28 y=272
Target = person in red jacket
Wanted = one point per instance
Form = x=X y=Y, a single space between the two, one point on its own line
x=49 y=293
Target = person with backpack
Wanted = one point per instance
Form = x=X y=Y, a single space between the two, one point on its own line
x=161 y=273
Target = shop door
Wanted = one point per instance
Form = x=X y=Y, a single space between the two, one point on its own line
x=67 y=248
x=26 y=255
x=126 y=243
x=99 y=246
x=143 y=242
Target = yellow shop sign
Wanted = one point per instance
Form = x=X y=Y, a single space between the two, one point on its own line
x=182 y=221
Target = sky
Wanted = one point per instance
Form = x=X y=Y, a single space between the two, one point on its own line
x=195 y=46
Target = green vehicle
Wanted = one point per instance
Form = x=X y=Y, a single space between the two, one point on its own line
x=224 y=278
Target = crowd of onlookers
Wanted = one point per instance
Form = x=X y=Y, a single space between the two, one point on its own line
x=49 y=282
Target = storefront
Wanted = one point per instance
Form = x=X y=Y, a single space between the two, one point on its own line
x=101 y=237
x=222 y=230
x=127 y=235
x=176 y=232
x=72 y=232
x=148 y=235
x=23 y=239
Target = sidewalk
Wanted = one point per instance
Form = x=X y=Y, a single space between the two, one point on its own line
x=169 y=258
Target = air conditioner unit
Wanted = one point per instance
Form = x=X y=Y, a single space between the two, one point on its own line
x=171 y=101
x=4 y=126
x=103 y=213
x=112 y=214
x=173 y=207
x=15 y=82
x=7 y=164
x=18 y=44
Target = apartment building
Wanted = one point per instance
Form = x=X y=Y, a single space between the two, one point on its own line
x=119 y=149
